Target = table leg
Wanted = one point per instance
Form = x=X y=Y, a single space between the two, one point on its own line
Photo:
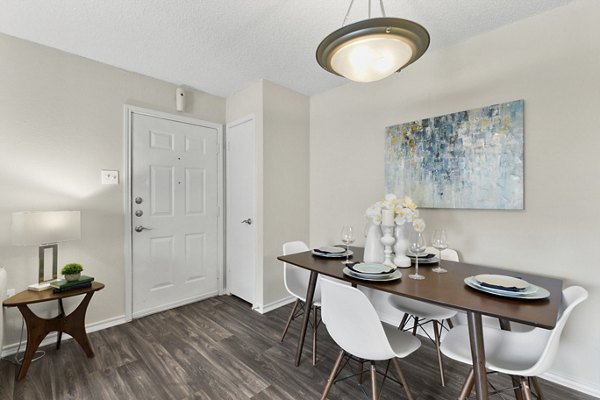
x=36 y=332
x=478 y=354
x=37 y=329
x=310 y=293
x=61 y=313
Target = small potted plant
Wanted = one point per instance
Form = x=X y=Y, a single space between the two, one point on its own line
x=72 y=271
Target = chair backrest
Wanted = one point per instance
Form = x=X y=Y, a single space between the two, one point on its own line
x=352 y=322
x=447 y=254
x=295 y=278
x=571 y=297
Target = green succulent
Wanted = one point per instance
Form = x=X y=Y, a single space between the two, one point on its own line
x=72 y=268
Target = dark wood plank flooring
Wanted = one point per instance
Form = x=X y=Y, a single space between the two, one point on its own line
x=217 y=349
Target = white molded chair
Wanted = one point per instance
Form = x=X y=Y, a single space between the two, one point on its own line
x=423 y=313
x=296 y=282
x=522 y=354
x=354 y=325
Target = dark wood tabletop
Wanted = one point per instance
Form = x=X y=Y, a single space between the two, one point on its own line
x=449 y=289
x=31 y=297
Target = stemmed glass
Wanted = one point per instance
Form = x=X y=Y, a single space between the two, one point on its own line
x=440 y=243
x=347 y=239
x=417 y=247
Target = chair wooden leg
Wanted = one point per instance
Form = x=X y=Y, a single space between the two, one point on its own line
x=468 y=386
x=403 y=322
x=334 y=371
x=360 y=371
x=516 y=382
x=437 y=330
x=415 y=325
x=450 y=324
x=373 y=381
x=525 y=389
x=290 y=318
x=314 y=344
x=402 y=378
x=537 y=387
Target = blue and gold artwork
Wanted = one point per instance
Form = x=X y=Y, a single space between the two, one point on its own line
x=468 y=159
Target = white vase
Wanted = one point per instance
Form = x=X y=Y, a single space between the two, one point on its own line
x=400 y=247
x=373 y=246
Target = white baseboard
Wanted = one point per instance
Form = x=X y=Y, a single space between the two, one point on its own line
x=587 y=388
x=275 y=305
x=51 y=338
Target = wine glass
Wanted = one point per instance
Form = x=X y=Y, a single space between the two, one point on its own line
x=440 y=243
x=347 y=239
x=417 y=247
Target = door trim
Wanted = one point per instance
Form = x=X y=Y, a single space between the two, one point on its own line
x=129 y=110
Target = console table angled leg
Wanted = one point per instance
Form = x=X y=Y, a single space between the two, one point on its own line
x=36 y=332
x=74 y=325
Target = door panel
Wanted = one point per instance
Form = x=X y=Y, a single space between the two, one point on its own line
x=175 y=173
x=241 y=237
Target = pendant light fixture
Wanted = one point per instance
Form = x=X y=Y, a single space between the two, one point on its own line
x=372 y=49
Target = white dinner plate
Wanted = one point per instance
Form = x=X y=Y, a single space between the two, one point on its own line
x=375 y=278
x=502 y=282
x=333 y=255
x=331 y=249
x=534 y=292
x=372 y=268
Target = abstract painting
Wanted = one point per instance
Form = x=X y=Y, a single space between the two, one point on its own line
x=468 y=159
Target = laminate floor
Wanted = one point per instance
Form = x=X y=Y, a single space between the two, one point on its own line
x=217 y=349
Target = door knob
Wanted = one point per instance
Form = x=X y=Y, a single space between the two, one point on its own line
x=140 y=228
x=247 y=221
x=138 y=200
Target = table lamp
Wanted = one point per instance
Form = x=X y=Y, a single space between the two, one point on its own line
x=45 y=229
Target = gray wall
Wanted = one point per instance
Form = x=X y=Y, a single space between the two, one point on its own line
x=552 y=61
x=61 y=122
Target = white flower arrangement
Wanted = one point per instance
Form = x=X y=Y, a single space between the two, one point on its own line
x=404 y=211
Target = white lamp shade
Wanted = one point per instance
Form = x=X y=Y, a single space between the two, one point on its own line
x=371 y=58
x=43 y=227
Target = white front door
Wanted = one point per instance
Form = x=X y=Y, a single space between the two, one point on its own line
x=241 y=224
x=174 y=212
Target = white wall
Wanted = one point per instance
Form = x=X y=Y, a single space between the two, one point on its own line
x=552 y=62
x=61 y=122
x=286 y=180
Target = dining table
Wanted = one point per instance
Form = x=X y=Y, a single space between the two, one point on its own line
x=447 y=290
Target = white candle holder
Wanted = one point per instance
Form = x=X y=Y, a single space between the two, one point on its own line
x=388 y=240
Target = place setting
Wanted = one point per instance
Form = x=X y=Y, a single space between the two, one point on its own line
x=506 y=286
x=372 y=272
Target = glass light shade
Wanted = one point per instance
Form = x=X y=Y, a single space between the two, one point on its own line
x=371 y=58
x=43 y=227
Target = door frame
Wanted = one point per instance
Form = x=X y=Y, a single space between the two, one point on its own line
x=129 y=110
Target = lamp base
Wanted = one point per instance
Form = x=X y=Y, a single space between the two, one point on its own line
x=38 y=287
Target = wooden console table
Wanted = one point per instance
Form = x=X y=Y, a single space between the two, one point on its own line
x=38 y=328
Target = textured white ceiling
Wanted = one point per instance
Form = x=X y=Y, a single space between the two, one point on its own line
x=222 y=46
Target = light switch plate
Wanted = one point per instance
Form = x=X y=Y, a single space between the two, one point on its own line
x=109 y=177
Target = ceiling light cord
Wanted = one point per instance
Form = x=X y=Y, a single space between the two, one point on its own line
x=369 y=14
x=348 y=13
x=382 y=9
